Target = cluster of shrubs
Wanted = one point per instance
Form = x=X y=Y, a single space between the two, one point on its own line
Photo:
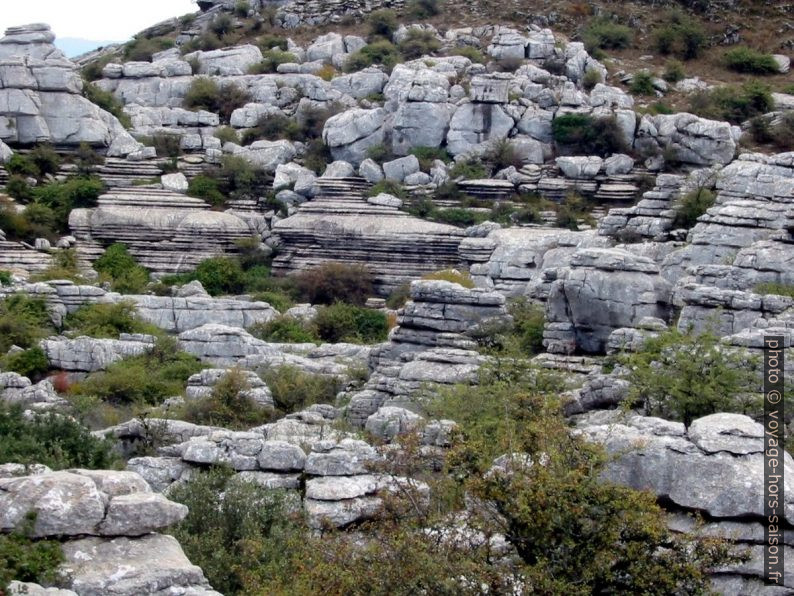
x=605 y=34
x=227 y=405
x=235 y=178
x=734 y=103
x=307 y=125
x=205 y=93
x=108 y=102
x=749 y=61
x=118 y=267
x=681 y=35
x=24 y=321
x=777 y=131
x=584 y=134
x=381 y=51
x=520 y=337
x=692 y=205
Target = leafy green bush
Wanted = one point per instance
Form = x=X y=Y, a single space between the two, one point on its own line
x=141 y=49
x=64 y=266
x=347 y=323
x=642 y=83
x=683 y=376
x=220 y=275
x=294 y=390
x=228 y=405
x=588 y=135
x=207 y=188
x=18 y=188
x=271 y=59
x=205 y=94
x=21 y=165
x=692 y=205
x=23 y=322
x=418 y=43
x=573 y=209
x=591 y=78
x=234 y=530
x=427 y=155
x=423 y=9
x=166 y=145
x=732 y=103
x=284 y=329
x=747 y=60
x=335 y=282
x=605 y=34
x=273 y=127
x=107 y=320
x=70 y=194
x=31 y=363
x=270 y=41
x=468 y=170
x=682 y=35
x=462 y=278
x=777 y=289
x=45 y=159
x=382 y=22
x=390 y=187
x=276 y=298
x=221 y=24
x=673 y=71
x=148 y=379
x=54 y=440
x=456 y=216
x=5 y=278
x=27 y=560
x=226 y=134
x=377 y=53
x=473 y=54
x=121 y=269
x=399 y=296
x=108 y=102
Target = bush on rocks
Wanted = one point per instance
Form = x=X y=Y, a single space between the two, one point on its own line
x=205 y=94
x=273 y=127
x=750 y=61
x=120 y=268
x=54 y=440
x=23 y=322
x=682 y=35
x=27 y=560
x=473 y=54
x=271 y=59
x=462 y=278
x=692 y=205
x=294 y=390
x=141 y=49
x=382 y=53
x=424 y=9
x=732 y=102
x=108 y=102
x=284 y=329
x=207 y=188
x=107 y=320
x=347 y=323
x=642 y=83
x=418 y=43
x=31 y=363
x=427 y=155
x=605 y=34
x=268 y=41
x=335 y=282
x=588 y=135
x=683 y=376
x=775 y=288
x=64 y=266
x=382 y=23
x=160 y=373
x=227 y=405
x=69 y=194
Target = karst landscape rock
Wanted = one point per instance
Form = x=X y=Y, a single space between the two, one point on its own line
x=422 y=297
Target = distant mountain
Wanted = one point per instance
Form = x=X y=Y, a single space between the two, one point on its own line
x=74 y=46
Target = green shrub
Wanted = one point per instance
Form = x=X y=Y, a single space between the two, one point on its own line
x=93 y=70
x=22 y=166
x=473 y=54
x=335 y=282
x=18 y=188
x=207 y=188
x=692 y=205
x=41 y=217
x=587 y=135
x=236 y=531
x=382 y=53
x=73 y=193
x=121 y=269
x=226 y=134
x=271 y=59
x=23 y=322
x=270 y=41
x=528 y=322
x=54 y=440
x=166 y=145
x=682 y=36
x=750 y=61
x=148 y=379
x=462 y=278
x=239 y=179
x=418 y=43
x=221 y=24
x=399 y=296
x=777 y=289
x=347 y=323
x=380 y=153
x=284 y=329
x=31 y=363
x=683 y=376
x=390 y=187
x=241 y=8
x=27 y=560
x=294 y=390
x=571 y=211
x=46 y=160
x=423 y=9
x=732 y=103
x=107 y=320
x=382 y=22
x=673 y=71
x=5 y=278
x=220 y=275
x=427 y=155
x=503 y=155
x=273 y=127
x=456 y=216
x=591 y=78
x=605 y=34
x=108 y=102
x=205 y=94
x=228 y=405
x=642 y=83
x=64 y=266
x=468 y=170
x=141 y=49
x=279 y=300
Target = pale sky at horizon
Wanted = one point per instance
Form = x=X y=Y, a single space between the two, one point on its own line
x=106 y=20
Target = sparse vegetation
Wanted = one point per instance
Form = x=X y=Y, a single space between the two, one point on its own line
x=588 y=135
x=732 y=103
x=382 y=23
x=294 y=389
x=27 y=560
x=107 y=320
x=606 y=34
x=418 y=43
x=462 y=278
x=205 y=94
x=335 y=282
x=108 y=102
x=692 y=205
x=382 y=53
x=228 y=405
x=271 y=59
x=682 y=36
x=778 y=289
x=23 y=322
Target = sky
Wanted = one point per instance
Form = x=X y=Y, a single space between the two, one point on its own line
x=97 y=20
